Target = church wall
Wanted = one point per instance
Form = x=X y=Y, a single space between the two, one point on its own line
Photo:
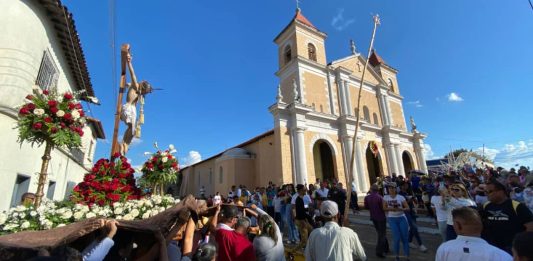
x=316 y=92
x=303 y=38
x=286 y=155
x=287 y=88
x=265 y=156
x=367 y=99
x=244 y=170
x=281 y=50
x=397 y=115
x=357 y=71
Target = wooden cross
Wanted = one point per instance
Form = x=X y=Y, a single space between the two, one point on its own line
x=297 y=4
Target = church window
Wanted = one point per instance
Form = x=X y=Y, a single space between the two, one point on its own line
x=366 y=113
x=220 y=175
x=48 y=72
x=287 y=54
x=375 y=116
x=311 y=50
x=391 y=85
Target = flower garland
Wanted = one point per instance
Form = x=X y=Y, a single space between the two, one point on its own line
x=48 y=116
x=107 y=183
x=374 y=148
x=53 y=214
x=160 y=170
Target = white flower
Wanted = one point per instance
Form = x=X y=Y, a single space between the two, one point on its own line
x=61 y=225
x=3 y=218
x=33 y=213
x=25 y=224
x=67 y=214
x=102 y=213
x=164 y=159
x=61 y=211
x=118 y=217
x=146 y=215
x=154 y=212
x=117 y=204
x=83 y=120
x=38 y=112
x=128 y=217
x=134 y=213
x=171 y=147
x=118 y=211
x=75 y=114
x=47 y=224
x=20 y=208
x=60 y=113
x=78 y=215
x=161 y=209
x=22 y=215
x=90 y=215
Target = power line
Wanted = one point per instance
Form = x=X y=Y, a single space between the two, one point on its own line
x=113 y=36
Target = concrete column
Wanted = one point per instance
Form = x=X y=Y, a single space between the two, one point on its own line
x=387 y=110
x=349 y=107
x=419 y=153
x=384 y=111
x=392 y=158
x=347 y=142
x=362 y=178
x=301 y=170
x=399 y=160
x=342 y=101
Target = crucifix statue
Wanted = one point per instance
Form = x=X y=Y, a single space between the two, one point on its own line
x=127 y=112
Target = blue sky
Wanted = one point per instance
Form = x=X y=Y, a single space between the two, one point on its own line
x=465 y=67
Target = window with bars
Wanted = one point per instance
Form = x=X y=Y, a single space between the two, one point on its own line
x=48 y=72
x=311 y=50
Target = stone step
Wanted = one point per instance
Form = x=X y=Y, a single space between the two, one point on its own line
x=425 y=224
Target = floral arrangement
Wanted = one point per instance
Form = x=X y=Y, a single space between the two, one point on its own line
x=109 y=181
x=48 y=116
x=374 y=148
x=53 y=214
x=160 y=169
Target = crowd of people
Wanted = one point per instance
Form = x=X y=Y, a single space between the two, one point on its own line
x=480 y=214
x=473 y=210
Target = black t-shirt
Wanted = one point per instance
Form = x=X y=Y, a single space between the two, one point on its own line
x=501 y=223
x=337 y=195
x=301 y=211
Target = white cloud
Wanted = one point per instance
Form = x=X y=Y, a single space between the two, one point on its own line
x=454 y=97
x=416 y=103
x=428 y=152
x=192 y=158
x=338 y=21
x=511 y=155
x=135 y=142
x=488 y=152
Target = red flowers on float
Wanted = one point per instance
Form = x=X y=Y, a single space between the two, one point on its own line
x=107 y=183
x=160 y=170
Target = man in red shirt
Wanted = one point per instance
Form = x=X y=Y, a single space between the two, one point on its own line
x=232 y=246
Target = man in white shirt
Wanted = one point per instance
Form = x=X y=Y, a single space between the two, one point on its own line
x=322 y=192
x=217 y=199
x=469 y=245
x=332 y=242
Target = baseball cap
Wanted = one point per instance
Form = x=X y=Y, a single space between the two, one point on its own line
x=329 y=209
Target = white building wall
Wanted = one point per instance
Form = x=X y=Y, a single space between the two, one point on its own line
x=26 y=33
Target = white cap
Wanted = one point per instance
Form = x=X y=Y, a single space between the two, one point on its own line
x=329 y=209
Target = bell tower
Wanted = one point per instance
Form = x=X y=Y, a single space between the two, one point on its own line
x=300 y=42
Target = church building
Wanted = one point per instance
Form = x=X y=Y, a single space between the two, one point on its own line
x=314 y=123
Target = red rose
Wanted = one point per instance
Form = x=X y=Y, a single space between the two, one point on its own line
x=81 y=113
x=116 y=155
x=80 y=132
x=113 y=197
x=29 y=97
x=169 y=156
x=30 y=106
x=160 y=167
x=37 y=125
x=63 y=126
x=52 y=103
x=46 y=92
x=67 y=116
x=71 y=106
x=174 y=164
x=47 y=119
x=53 y=130
x=68 y=96
x=54 y=110
x=101 y=203
x=24 y=111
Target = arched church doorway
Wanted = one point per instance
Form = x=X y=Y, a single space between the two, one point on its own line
x=407 y=162
x=323 y=161
x=373 y=165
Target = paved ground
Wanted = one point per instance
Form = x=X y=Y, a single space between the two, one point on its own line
x=362 y=225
